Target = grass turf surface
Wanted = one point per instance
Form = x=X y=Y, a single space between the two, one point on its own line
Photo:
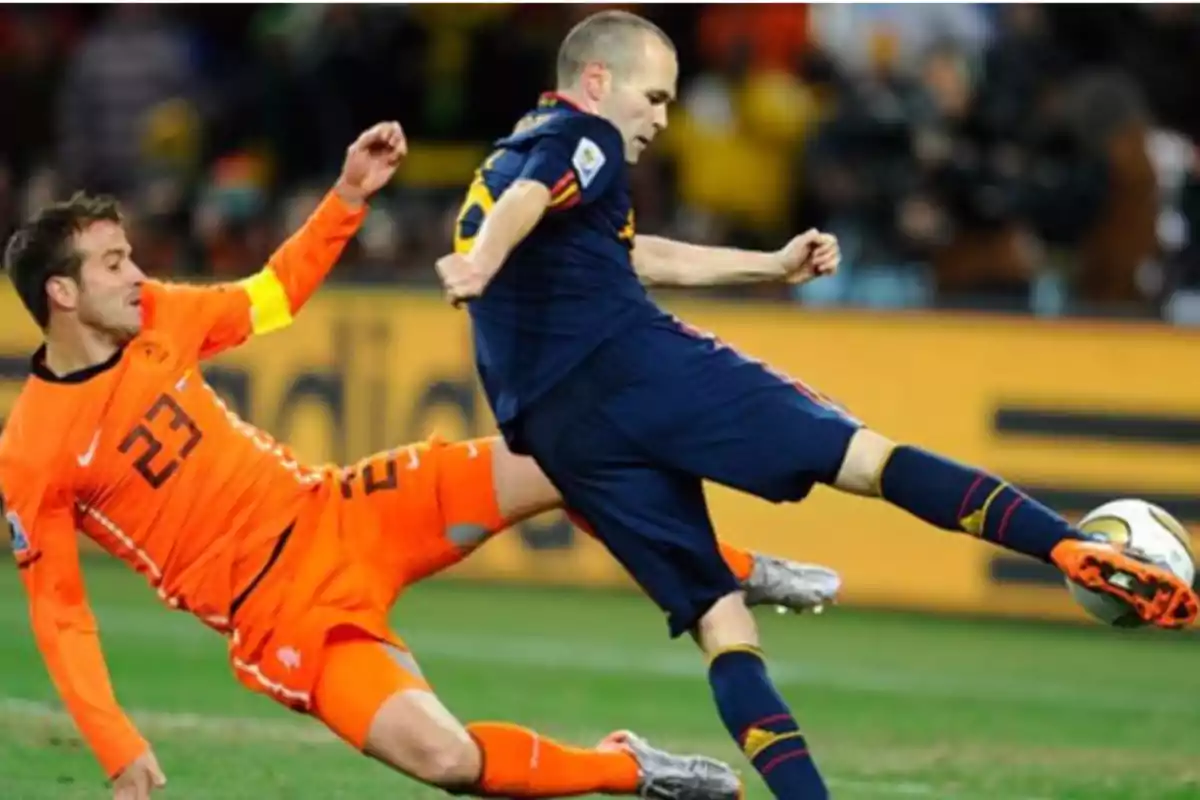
x=894 y=706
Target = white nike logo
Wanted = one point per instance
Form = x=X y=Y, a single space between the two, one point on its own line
x=86 y=458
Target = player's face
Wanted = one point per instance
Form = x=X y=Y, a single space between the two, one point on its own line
x=638 y=102
x=110 y=284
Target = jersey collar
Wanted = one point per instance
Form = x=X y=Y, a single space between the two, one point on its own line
x=556 y=100
x=38 y=367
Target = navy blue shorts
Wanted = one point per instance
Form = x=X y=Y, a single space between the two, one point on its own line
x=628 y=437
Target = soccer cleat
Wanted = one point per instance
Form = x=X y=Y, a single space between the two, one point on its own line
x=1155 y=593
x=789 y=585
x=665 y=776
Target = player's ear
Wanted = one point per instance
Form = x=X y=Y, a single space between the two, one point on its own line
x=596 y=81
x=62 y=291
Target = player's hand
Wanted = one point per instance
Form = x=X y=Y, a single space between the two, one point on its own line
x=462 y=278
x=371 y=161
x=139 y=779
x=810 y=255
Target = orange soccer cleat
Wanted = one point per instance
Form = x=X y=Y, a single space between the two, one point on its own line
x=1155 y=593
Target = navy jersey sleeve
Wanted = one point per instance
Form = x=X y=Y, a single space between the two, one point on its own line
x=576 y=160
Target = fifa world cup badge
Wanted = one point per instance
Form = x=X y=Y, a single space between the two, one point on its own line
x=588 y=160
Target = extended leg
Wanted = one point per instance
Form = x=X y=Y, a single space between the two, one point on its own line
x=656 y=524
x=955 y=497
x=756 y=431
x=373 y=696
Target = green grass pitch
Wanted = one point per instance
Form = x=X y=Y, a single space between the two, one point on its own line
x=895 y=706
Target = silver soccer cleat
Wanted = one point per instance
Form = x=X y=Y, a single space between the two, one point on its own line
x=790 y=586
x=665 y=776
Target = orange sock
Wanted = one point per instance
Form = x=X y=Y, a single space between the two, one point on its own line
x=740 y=561
x=519 y=763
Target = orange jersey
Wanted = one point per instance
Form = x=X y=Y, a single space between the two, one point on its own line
x=142 y=456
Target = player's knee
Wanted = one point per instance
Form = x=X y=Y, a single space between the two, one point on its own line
x=415 y=734
x=866 y=456
x=452 y=765
x=449 y=760
x=728 y=623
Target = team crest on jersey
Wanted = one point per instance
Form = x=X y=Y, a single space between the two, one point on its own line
x=588 y=161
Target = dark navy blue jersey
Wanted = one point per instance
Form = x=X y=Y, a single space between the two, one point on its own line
x=570 y=285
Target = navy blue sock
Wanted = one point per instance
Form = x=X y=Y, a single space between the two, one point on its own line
x=958 y=498
x=760 y=722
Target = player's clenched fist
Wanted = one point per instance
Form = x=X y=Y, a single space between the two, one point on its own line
x=371 y=161
x=809 y=255
x=139 y=779
x=461 y=277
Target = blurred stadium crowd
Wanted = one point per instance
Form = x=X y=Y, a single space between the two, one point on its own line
x=1027 y=158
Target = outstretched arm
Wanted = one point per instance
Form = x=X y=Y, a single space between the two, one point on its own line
x=216 y=318
x=667 y=262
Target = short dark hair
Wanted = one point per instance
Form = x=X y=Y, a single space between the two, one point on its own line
x=603 y=36
x=44 y=247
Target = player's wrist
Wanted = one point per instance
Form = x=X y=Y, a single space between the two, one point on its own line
x=771 y=265
x=117 y=757
x=353 y=196
x=485 y=262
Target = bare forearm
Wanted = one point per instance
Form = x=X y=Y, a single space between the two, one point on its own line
x=515 y=214
x=670 y=263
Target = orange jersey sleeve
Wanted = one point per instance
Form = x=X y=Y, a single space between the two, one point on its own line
x=41 y=527
x=211 y=319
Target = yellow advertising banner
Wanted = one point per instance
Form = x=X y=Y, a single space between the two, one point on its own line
x=1076 y=412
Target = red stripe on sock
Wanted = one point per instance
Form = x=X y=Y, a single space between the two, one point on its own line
x=777 y=760
x=765 y=721
x=1007 y=514
x=962 y=510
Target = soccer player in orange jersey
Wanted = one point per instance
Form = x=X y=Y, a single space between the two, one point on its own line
x=296 y=565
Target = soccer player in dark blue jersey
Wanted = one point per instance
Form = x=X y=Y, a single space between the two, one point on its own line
x=627 y=410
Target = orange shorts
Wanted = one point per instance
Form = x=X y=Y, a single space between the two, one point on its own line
x=372 y=529
x=358 y=673
x=412 y=512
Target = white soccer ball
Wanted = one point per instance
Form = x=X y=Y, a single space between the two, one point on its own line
x=1147 y=528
